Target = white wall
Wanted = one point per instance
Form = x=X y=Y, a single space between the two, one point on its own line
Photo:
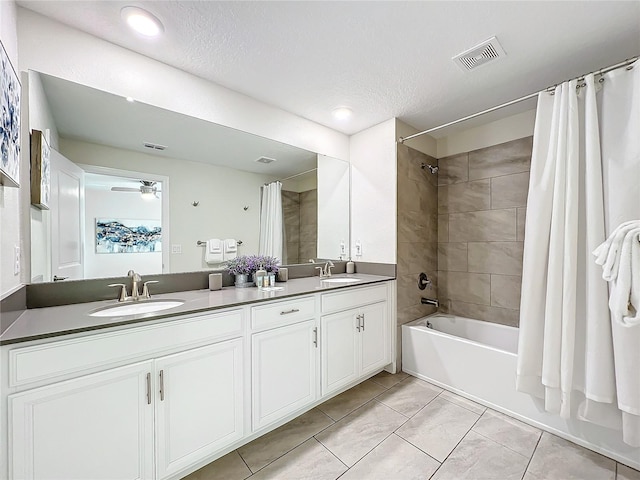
x=12 y=206
x=40 y=118
x=222 y=192
x=333 y=207
x=493 y=133
x=100 y=203
x=373 y=193
x=51 y=47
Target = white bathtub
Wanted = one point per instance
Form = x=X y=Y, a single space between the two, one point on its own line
x=477 y=360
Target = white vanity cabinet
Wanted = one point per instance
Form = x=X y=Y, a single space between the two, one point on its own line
x=97 y=426
x=198 y=404
x=283 y=359
x=144 y=420
x=355 y=339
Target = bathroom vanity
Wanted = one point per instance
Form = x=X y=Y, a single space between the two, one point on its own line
x=157 y=396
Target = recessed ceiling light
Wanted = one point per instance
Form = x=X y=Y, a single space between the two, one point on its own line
x=130 y=99
x=342 y=113
x=142 y=21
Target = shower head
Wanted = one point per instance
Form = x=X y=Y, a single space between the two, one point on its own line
x=432 y=169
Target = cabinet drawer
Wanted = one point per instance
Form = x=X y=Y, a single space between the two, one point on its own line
x=51 y=360
x=282 y=313
x=353 y=297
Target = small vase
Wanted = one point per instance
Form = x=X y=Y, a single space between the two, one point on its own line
x=243 y=280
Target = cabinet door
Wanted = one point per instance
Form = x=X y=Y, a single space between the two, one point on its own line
x=284 y=371
x=198 y=404
x=98 y=427
x=338 y=350
x=374 y=338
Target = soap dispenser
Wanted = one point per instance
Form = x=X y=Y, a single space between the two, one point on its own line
x=351 y=267
x=259 y=277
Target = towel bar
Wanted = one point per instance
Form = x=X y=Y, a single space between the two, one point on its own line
x=200 y=243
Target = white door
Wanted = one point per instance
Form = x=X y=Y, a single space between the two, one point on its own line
x=339 y=350
x=199 y=407
x=95 y=427
x=284 y=371
x=374 y=338
x=67 y=218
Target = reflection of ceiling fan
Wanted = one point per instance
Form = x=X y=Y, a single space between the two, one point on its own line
x=148 y=189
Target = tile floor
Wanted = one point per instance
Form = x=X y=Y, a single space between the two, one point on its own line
x=396 y=427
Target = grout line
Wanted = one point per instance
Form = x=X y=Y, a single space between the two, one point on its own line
x=504 y=446
x=243 y=461
x=331 y=452
x=534 y=452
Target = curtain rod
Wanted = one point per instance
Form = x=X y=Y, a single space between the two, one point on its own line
x=298 y=175
x=517 y=100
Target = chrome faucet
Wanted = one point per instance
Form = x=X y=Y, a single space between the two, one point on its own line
x=325 y=272
x=430 y=301
x=135 y=288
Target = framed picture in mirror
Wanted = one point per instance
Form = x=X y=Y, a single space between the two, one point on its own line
x=40 y=170
x=9 y=122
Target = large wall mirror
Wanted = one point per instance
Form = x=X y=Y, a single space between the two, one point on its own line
x=134 y=186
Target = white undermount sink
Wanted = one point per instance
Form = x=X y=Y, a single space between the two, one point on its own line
x=341 y=280
x=136 y=308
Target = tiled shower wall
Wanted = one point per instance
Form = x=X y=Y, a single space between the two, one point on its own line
x=417 y=233
x=482 y=199
x=301 y=225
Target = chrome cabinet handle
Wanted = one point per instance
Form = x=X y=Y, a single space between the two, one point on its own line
x=149 y=388
x=287 y=312
x=358 y=322
x=362 y=319
x=315 y=337
x=161 y=385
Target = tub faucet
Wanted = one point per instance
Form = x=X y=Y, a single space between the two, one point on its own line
x=135 y=288
x=430 y=301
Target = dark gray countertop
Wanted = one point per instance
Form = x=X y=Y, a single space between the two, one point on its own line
x=48 y=322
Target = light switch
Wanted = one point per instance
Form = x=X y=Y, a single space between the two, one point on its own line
x=176 y=248
x=358 y=248
x=16 y=264
x=343 y=248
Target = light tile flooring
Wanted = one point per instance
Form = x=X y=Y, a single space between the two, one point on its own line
x=396 y=427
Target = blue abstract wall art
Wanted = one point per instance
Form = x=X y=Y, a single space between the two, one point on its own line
x=128 y=236
x=9 y=122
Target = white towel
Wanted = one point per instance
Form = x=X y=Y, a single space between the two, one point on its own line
x=230 y=249
x=214 y=251
x=608 y=254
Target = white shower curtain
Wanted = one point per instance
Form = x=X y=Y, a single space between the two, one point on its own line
x=271 y=221
x=585 y=177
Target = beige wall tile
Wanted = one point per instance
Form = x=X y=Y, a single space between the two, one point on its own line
x=453 y=169
x=503 y=316
x=417 y=257
x=489 y=225
x=505 y=291
x=503 y=159
x=465 y=197
x=443 y=228
x=495 y=257
x=509 y=190
x=452 y=257
x=520 y=221
x=409 y=165
x=465 y=287
x=414 y=312
x=413 y=226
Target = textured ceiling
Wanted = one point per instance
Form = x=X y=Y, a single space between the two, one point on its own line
x=382 y=59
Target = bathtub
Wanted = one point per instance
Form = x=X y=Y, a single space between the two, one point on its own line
x=477 y=360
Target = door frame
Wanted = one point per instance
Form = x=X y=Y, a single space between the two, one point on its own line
x=117 y=172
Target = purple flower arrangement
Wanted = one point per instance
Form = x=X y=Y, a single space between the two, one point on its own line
x=249 y=264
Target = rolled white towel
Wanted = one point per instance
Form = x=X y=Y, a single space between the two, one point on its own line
x=624 y=296
x=608 y=253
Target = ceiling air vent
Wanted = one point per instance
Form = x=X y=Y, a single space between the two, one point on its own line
x=486 y=52
x=154 y=146
x=265 y=160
